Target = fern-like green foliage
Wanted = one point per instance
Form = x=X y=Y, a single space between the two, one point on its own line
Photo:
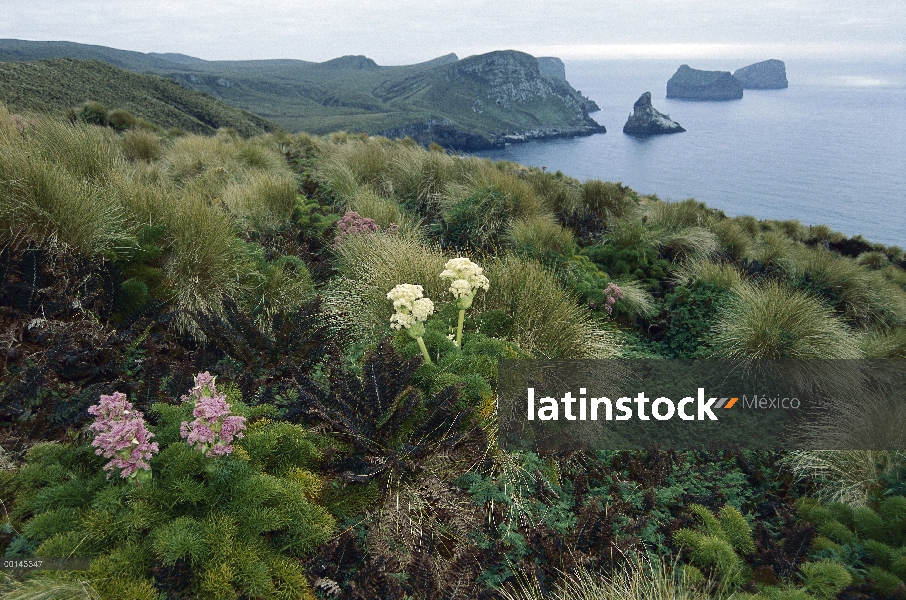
x=825 y=579
x=715 y=544
x=868 y=545
x=234 y=524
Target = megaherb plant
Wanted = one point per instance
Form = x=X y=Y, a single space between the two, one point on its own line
x=466 y=278
x=219 y=518
x=412 y=310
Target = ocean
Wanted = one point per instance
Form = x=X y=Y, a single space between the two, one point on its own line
x=829 y=149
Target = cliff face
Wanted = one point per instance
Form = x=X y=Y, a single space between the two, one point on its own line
x=552 y=67
x=646 y=121
x=504 y=97
x=765 y=75
x=692 y=84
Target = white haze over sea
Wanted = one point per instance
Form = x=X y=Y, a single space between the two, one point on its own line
x=829 y=149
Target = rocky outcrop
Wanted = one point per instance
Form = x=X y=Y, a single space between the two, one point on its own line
x=513 y=101
x=646 y=121
x=692 y=84
x=765 y=75
x=349 y=62
x=552 y=67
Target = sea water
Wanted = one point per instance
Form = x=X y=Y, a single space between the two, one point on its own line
x=829 y=149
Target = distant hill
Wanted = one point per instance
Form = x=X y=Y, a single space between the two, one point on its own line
x=471 y=103
x=57 y=85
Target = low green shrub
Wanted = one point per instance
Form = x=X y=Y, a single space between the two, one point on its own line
x=715 y=544
x=229 y=524
x=690 y=313
x=825 y=579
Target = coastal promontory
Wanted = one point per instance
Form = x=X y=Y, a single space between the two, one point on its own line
x=765 y=75
x=646 y=121
x=692 y=84
x=473 y=103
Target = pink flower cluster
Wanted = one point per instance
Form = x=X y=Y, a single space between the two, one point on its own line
x=613 y=293
x=121 y=435
x=213 y=429
x=353 y=223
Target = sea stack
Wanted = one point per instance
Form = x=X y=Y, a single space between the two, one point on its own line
x=766 y=75
x=646 y=121
x=691 y=84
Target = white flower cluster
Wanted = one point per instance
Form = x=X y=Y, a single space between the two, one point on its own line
x=467 y=277
x=410 y=306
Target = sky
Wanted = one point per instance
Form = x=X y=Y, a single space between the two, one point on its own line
x=407 y=31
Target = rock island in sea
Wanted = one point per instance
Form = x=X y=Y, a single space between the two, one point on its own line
x=692 y=84
x=765 y=75
x=646 y=121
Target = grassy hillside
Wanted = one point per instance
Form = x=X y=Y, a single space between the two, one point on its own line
x=488 y=96
x=36 y=86
x=212 y=286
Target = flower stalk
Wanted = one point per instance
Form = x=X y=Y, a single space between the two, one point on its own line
x=412 y=310
x=466 y=278
x=122 y=436
x=214 y=428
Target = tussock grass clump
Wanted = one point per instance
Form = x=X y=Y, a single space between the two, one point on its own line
x=385 y=211
x=720 y=274
x=208 y=261
x=139 y=144
x=774 y=321
x=885 y=344
x=369 y=266
x=607 y=199
x=638 y=580
x=282 y=286
x=674 y=216
x=210 y=163
x=264 y=200
x=845 y=476
x=540 y=236
x=559 y=193
x=823 y=234
x=693 y=243
x=51 y=589
x=748 y=224
x=87 y=152
x=636 y=300
x=546 y=319
x=92 y=113
x=792 y=229
x=772 y=249
x=121 y=120
x=421 y=179
x=732 y=238
x=53 y=195
x=349 y=164
x=628 y=232
x=864 y=296
x=873 y=260
x=518 y=195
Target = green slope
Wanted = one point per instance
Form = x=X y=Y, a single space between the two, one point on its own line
x=37 y=86
x=492 y=97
